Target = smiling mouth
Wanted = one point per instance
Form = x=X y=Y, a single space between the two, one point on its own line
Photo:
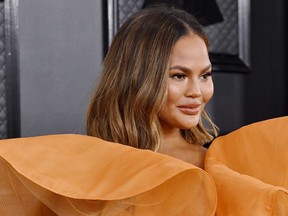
x=190 y=110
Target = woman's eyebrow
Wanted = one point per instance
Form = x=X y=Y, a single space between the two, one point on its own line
x=178 y=67
x=208 y=67
x=186 y=69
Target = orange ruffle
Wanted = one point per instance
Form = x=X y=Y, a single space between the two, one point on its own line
x=250 y=169
x=81 y=175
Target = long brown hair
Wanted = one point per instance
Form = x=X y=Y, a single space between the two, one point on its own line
x=133 y=84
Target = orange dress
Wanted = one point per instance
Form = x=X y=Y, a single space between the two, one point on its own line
x=250 y=169
x=81 y=175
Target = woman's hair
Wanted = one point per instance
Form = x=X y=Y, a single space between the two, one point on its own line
x=133 y=85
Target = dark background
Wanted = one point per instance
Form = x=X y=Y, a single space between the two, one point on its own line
x=266 y=87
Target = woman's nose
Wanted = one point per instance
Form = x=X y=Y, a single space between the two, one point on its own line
x=193 y=89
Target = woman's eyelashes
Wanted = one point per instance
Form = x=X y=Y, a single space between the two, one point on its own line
x=178 y=76
x=182 y=76
x=206 y=75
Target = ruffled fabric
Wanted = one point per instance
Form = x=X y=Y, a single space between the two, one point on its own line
x=81 y=175
x=250 y=169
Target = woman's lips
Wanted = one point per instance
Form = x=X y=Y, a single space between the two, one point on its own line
x=192 y=109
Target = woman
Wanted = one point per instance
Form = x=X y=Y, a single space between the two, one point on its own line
x=155 y=83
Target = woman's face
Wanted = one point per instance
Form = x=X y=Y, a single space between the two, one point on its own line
x=190 y=84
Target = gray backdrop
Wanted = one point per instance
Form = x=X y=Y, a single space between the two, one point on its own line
x=60 y=54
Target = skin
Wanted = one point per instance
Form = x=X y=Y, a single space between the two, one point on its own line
x=190 y=87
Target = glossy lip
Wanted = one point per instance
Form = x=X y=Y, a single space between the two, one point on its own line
x=190 y=109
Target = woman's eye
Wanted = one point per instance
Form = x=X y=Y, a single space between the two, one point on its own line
x=178 y=76
x=206 y=76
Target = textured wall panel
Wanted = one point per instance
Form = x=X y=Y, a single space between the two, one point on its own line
x=128 y=7
x=224 y=36
x=3 y=104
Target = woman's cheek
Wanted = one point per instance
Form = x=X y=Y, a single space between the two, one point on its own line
x=208 y=92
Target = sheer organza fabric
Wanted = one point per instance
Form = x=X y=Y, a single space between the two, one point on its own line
x=250 y=169
x=81 y=175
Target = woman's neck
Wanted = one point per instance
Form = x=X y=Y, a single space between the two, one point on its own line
x=175 y=145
